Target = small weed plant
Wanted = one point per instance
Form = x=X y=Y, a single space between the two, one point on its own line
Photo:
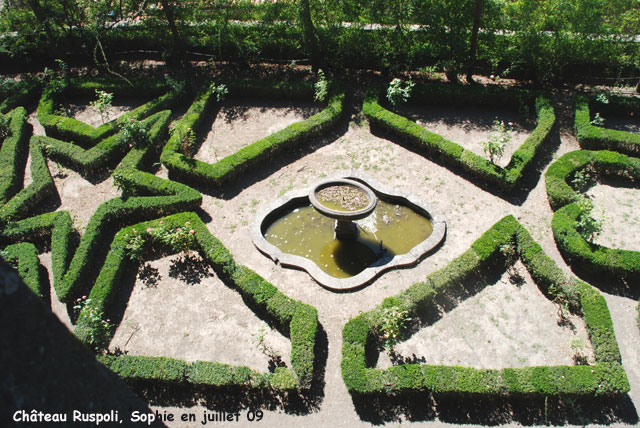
x=588 y=227
x=583 y=179
x=134 y=133
x=221 y=91
x=102 y=104
x=597 y=120
x=393 y=321
x=321 y=87
x=262 y=345
x=399 y=91
x=500 y=138
x=602 y=98
x=92 y=324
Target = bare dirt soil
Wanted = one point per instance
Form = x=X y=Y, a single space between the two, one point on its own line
x=178 y=308
x=208 y=321
x=89 y=115
x=237 y=125
x=472 y=127
x=507 y=324
x=617 y=208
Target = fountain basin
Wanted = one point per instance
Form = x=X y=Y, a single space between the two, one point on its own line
x=358 y=261
x=345 y=201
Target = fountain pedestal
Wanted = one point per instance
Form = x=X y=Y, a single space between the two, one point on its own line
x=351 y=201
x=346 y=230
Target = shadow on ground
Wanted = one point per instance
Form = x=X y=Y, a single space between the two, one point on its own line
x=423 y=406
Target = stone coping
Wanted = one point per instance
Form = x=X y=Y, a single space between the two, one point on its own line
x=300 y=197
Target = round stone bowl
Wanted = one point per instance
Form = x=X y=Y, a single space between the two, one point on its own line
x=345 y=214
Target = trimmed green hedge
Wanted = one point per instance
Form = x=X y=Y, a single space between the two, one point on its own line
x=24 y=256
x=167 y=197
x=215 y=174
x=13 y=154
x=298 y=319
x=598 y=138
x=41 y=187
x=55 y=226
x=606 y=378
x=563 y=199
x=70 y=129
x=446 y=152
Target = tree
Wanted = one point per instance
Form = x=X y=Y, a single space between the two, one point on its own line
x=308 y=33
x=473 y=44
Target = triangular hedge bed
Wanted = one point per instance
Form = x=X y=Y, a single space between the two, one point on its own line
x=450 y=154
x=73 y=260
x=296 y=318
x=606 y=378
x=188 y=168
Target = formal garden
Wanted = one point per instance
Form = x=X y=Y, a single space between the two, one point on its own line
x=326 y=213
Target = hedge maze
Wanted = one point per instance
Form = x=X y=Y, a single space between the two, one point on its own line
x=81 y=265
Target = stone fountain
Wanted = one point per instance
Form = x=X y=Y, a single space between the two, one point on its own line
x=347 y=230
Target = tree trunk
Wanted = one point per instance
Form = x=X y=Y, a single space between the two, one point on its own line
x=41 y=18
x=473 y=45
x=168 y=13
x=309 y=33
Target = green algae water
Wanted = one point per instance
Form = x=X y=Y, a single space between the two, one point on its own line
x=389 y=230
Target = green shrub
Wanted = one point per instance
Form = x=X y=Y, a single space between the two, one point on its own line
x=606 y=378
x=222 y=171
x=449 y=153
x=592 y=136
x=572 y=224
x=14 y=142
x=299 y=319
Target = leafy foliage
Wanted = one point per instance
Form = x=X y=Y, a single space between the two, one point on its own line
x=392 y=323
x=102 y=104
x=95 y=328
x=221 y=91
x=399 y=91
x=321 y=87
x=134 y=133
x=497 y=143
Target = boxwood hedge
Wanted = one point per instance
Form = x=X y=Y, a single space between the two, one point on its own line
x=20 y=94
x=195 y=170
x=593 y=137
x=73 y=261
x=24 y=256
x=297 y=319
x=606 y=378
x=13 y=154
x=563 y=199
x=446 y=152
x=80 y=133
